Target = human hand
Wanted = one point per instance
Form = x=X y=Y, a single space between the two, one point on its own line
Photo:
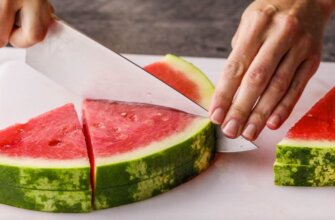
x=24 y=22
x=276 y=50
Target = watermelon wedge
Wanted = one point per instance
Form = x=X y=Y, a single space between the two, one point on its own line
x=184 y=77
x=306 y=156
x=48 y=153
x=44 y=163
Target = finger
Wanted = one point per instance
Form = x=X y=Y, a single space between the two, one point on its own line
x=273 y=94
x=235 y=37
x=248 y=43
x=35 y=20
x=7 y=16
x=257 y=78
x=299 y=82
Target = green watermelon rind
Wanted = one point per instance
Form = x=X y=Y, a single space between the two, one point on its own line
x=125 y=194
x=194 y=148
x=47 y=200
x=288 y=154
x=45 y=178
x=207 y=87
x=304 y=175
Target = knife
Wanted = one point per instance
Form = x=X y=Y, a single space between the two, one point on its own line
x=91 y=70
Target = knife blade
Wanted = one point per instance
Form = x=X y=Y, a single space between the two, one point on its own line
x=91 y=70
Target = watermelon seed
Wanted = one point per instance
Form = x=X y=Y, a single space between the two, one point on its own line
x=123 y=114
x=133 y=117
x=122 y=137
x=116 y=129
x=99 y=125
x=54 y=142
x=6 y=146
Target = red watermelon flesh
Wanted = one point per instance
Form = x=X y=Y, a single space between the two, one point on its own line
x=55 y=135
x=184 y=77
x=116 y=127
x=184 y=85
x=318 y=123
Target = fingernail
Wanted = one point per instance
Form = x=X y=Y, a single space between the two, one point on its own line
x=217 y=116
x=232 y=128
x=250 y=132
x=273 y=121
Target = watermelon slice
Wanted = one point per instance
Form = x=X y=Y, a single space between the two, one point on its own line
x=44 y=163
x=184 y=77
x=304 y=175
x=306 y=156
x=48 y=153
x=311 y=140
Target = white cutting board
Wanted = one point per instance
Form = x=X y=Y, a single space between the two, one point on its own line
x=237 y=186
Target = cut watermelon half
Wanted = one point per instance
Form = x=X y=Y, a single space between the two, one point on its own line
x=306 y=156
x=47 y=153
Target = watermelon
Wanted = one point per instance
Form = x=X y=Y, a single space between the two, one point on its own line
x=184 y=77
x=125 y=152
x=304 y=175
x=132 y=144
x=306 y=156
x=47 y=155
x=47 y=200
x=124 y=194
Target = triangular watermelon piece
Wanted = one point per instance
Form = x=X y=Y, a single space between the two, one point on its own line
x=306 y=156
x=184 y=77
x=311 y=141
x=50 y=143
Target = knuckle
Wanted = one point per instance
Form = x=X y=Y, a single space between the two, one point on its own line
x=280 y=82
x=266 y=12
x=257 y=77
x=233 y=70
x=239 y=112
x=260 y=116
x=291 y=23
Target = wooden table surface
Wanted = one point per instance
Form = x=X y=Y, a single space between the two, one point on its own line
x=184 y=27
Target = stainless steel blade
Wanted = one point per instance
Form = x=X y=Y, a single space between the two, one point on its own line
x=92 y=71
x=227 y=145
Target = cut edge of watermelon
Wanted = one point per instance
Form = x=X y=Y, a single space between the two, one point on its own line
x=193 y=73
x=288 y=142
x=44 y=163
x=155 y=147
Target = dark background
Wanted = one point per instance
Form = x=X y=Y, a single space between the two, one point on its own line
x=182 y=27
